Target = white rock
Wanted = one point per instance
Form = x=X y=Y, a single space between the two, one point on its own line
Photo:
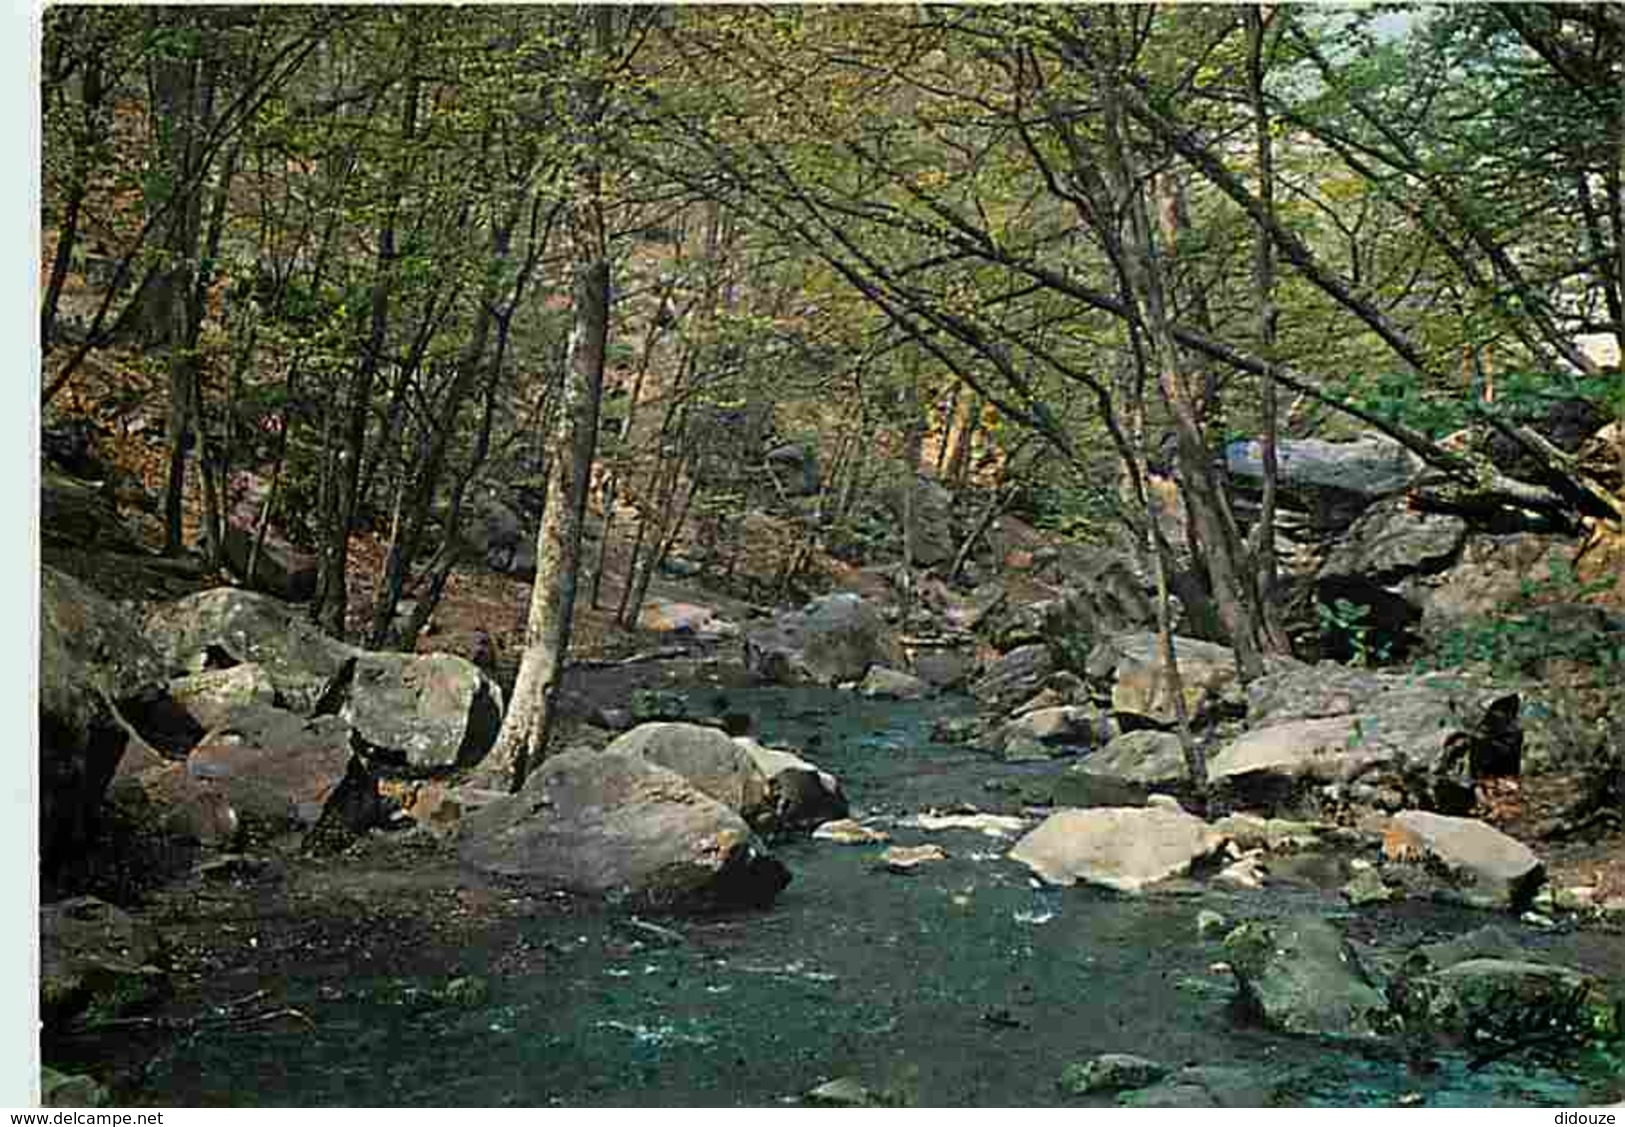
x=1123 y=848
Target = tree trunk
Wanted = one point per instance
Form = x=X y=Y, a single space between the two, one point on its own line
x=331 y=605
x=182 y=88
x=1198 y=485
x=1261 y=551
x=913 y=441
x=93 y=126
x=523 y=739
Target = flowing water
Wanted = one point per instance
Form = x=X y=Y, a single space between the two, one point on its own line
x=961 y=983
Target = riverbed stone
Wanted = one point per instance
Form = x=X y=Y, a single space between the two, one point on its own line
x=990 y=825
x=1492 y=941
x=844 y=1091
x=1146 y=757
x=1367 y=887
x=1066 y=726
x=1301 y=976
x=850 y=831
x=1122 y=848
x=943 y=667
x=1486 y=867
x=709 y=759
x=1111 y=1072
x=611 y=824
x=1307 y=751
x=801 y=795
x=885 y=683
x=832 y=640
x=1273 y=835
x=1203 y=1086
x=906 y=858
x=1490 y=1000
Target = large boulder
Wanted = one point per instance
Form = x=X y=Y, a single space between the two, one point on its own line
x=425 y=713
x=92 y=662
x=1204 y=1085
x=1485 y=867
x=801 y=794
x=1369 y=467
x=1145 y=758
x=1369 y=585
x=604 y=823
x=1325 y=749
x=1074 y=726
x=1122 y=848
x=95 y=955
x=1391 y=540
x=1301 y=976
x=239 y=626
x=831 y=640
x=1417 y=736
x=943 y=666
x=1111 y=1072
x=280 y=771
x=1501 y=1001
x=501 y=537
x=709 y=759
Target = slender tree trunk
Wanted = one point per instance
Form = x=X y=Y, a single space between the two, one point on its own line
x=92 y=93
x=913 y=441
x=1198 y=486
x=331 y=605
x=959 y=462
x=657 y=324
x=1262 y=549
x=558 y=554
x=183 y=91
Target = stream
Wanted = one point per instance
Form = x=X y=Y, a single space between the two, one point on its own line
x=960 y=983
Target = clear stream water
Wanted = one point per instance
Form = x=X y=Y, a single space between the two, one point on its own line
x=959 y=984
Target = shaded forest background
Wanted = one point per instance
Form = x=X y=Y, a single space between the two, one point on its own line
x=340 y=275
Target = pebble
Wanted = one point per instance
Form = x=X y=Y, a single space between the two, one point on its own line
x=902 y=858
x=850 y=831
